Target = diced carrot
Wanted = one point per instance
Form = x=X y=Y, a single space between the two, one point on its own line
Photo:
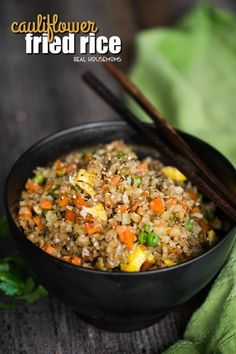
x=135 y=206
x=38 y=222
x=104 y=188
x=146 y=265
x=143 y=166
x=176 y=250
x=122 y=208
x=195 y=210
x=71 y=168
x=145 y=193
x=115 y=180
x=32 y=186
x=114 y=225
x=46 y=204
x=73 y=260
x=157 y=205
x=80 y=201
x=25 y=212
x=91 y=228
x=25 y=215
x=76 y=260
x=49 y=249
x=58 y=165
x=61 y=172
x=81 y=219
x=110 y=203
x=183 y=205
x=170 y=202
x=70 y=215
x=48 y=185
x=204 y=226
x=63 y=200
x=193 y=195
x=66 y=259
x=126 y=235
x=87 y=157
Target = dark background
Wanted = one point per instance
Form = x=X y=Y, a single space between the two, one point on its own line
x=40 y=94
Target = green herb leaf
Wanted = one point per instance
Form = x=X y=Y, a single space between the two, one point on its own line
x=35 y=295
x=53 y=194
x=17 y=282
x=39 y=178
x=120 y=155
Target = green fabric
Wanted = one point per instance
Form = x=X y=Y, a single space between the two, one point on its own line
x=189 y=73
x=212 y=328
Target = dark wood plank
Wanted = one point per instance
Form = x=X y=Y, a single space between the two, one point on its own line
x=51 y=327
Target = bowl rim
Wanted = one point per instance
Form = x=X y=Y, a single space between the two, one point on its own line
x=101 y=124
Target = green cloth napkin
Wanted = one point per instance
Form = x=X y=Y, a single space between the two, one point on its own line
x=212 y=328
x=189 y=73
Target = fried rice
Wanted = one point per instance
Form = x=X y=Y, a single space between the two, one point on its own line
x=108 y=210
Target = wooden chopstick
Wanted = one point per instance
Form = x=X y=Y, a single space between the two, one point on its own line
x=177 y=160
x=169 y=132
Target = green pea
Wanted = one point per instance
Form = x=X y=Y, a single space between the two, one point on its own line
x=39 y=178
x=152 y=239
x=137 y=180
x=120 y=155
x=142 y=237
x=189 y=225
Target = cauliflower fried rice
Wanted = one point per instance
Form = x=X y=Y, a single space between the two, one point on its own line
x=107 y=210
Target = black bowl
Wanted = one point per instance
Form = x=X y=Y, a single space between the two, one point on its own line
x=115 y=301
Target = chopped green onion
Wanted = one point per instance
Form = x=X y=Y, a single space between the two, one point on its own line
x=152 y=239
x=39 y=178
x=44 y=212
x=53 y=194
x=142 y=237
x=172 y=217
x=137 y=180
x=189 y=225
x=120 y=155
x=146 y=228
x=57 y=182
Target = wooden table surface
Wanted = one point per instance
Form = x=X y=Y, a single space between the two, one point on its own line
x=39 y=95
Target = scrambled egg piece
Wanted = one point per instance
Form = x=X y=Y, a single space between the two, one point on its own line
x=169 y=262
x=97 y=211
x=135 y=259
x=212 y=237
x=173 y=173
x=84 y=180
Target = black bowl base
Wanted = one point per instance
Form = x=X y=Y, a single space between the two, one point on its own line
x=121 y=326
